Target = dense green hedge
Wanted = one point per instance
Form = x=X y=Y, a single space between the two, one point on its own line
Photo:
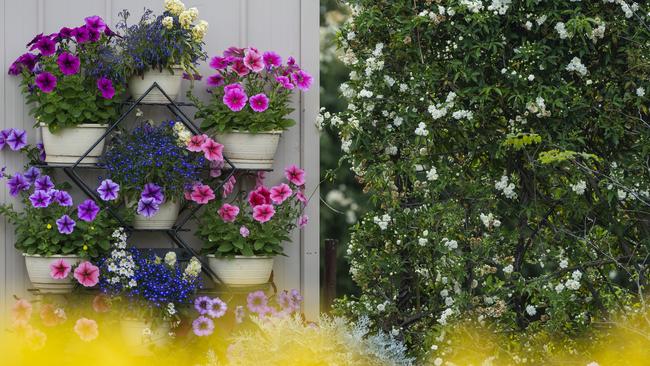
x=505 y=145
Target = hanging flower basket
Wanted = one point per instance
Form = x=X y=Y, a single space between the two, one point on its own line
x=39 y=272
x=247 y=150
x=169 y=80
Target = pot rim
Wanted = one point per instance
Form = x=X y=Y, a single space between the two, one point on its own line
x=274 y=132
x=241 y=257
x=82 y=125
x=51 y=256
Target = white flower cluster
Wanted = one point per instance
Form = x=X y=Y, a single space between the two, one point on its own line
x=182 y=133
x=170 y=259
x=561 y=30
x=531 y=310
x=579 y=187
x=441 y=109
x=444 y=316
x=382 y=221
x=450 y=244
x=640 y=92
x=439 y=16
x=628 y=10
x=120 y=265
x=598 y=32
x=193 y=269
x=572 y=283
x=421 y=130
x=474 y=6
x=577 y=66
x=462 y=113
x=506 y=187
x=374 y=63
x=432 y=174
x=489 y=221
x=538 y=107
x=499 y=7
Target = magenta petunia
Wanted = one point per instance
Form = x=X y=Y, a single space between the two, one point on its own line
x=43 y=183
x=17 y=184
x=280 y=193
x=302 y=221
x=263 y=213
x=153 y=191
x=108 y=190
x=63 y=198
x=105 y=86
x=233 y=86
x=228 y=187
x=302 y=79
x=45 y=81
x=212 y=150
x=271 y=59
x=240 y=68
x=88 y=210
x=285 y=82
x=60 y=269
x=87 y=274
x=147 y=207
x=219 y=63
x=233 y=52
x=295 y=175
x=259 y=102
x=95 y=22
x=195 y=142
x=17 y=139
x=202 y=194
x=235 y=99
x=46 y=46
x=65 y=224
x=40 y=199
x=256 y=199
x=68 y=63
x=81 y=34
x=228 y=212
x=94 y=35
x=300 y=196
x=66 y=33
x=203 y=326
x=215 y=80
x=244 y=232
x=253 y=60
x=216 y=167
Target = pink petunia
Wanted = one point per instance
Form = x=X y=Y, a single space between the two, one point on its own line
x=216 y=167
x=280 y=193
x=263 y=213
x=87 y=274
x=86 y=329
x=295 y=175
x=202 y=194
x=253 y=60
x=60 y=269
x=215 y=80
x=285 y=82
x=244 y=232
x=300 y=196
x=219 y=63
x=229 y=186
x=228 y=212
x=212 y=150
x=235 y=99
x=302 y=79
x=256 y=199
x=259 y=102
x=240 y=68
x=259 y=179
x=22 y=310
x=195 y=142
x=272 y=59
x=302 y=221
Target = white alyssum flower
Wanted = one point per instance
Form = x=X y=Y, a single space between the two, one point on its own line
x=474 y=6
x=640 y=92
x=489 y=220
x=577 y=66
x=499 y=7
x=450 y=244
x=621 y=194
x=423 y=241
x=506 y=187
x=432 y=174
x=422 y=130
x=531 y=310
x=462 y=113
x=580 y=187
x=564 y=263
x=382 y=221
x=445 y=315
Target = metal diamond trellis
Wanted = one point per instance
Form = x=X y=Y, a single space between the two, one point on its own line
x=72 y=172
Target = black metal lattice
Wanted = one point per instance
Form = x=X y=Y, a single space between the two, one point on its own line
x=71 y=170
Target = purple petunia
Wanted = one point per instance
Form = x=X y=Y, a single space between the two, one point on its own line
x=257 y=302
x=203 y=305
x=105 y=86
x=154 y=192
x=96 y=23
x=81 y=34
x=259 y=102
x=17 y=139
x=219 y=63
x=219 y=308
x=44 y=183
x=17 y=183
x=147 y=207
x=203 y=326
x=65 y=224
x=46 y=82
x=215 y=80
x=40 y=199
x=88 y=210
x=68 y=63
x=108 y=190
x=41 y=151
x=32 y=174
x=271 y=59
x=63 y=198
x=4 y=134
x=46 y=46
x=66 y=33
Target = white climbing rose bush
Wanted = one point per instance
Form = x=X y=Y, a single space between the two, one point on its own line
x=506 y=146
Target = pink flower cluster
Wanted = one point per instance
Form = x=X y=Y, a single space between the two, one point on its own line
x=238 y=64
x=213 y=152
x=86 y=273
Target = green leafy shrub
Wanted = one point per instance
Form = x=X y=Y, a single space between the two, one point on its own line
x=505 y=146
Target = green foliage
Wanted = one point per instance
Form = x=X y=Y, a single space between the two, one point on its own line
x=458 y=115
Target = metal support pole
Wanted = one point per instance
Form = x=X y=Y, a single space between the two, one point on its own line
x=330 y=273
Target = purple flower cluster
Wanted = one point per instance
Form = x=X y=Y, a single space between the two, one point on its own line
x=288 y=302
x=208 y=310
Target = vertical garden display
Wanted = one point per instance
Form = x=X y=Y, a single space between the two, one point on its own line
x=505 y=146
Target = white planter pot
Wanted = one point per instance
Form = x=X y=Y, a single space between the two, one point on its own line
x=138 y=335
x=38 y=270
x=250 y=150
x=242 y=270
x=164 y=219
x=168 y=81
x=69 y=144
